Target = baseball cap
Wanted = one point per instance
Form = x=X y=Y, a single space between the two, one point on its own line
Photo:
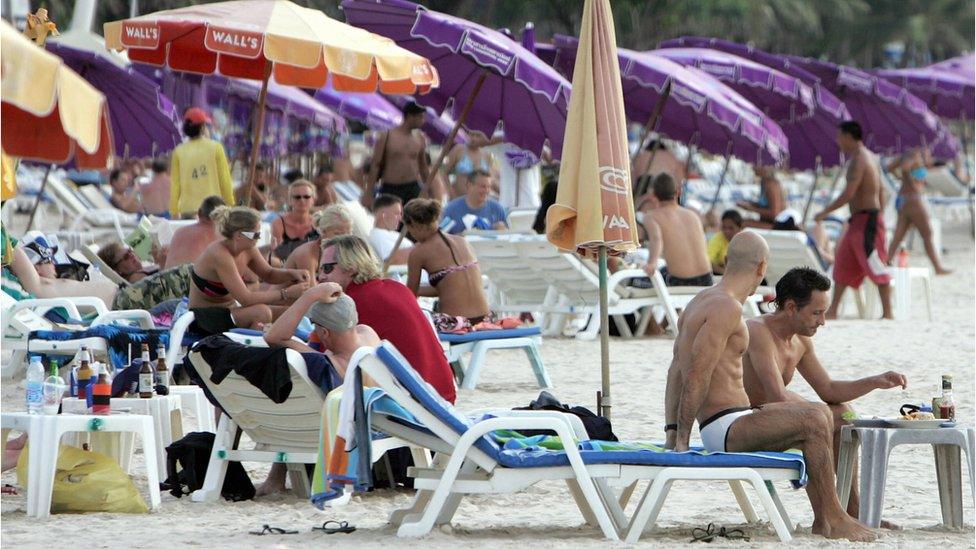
x=196 y=115
x=38 y=247
x=338 y=316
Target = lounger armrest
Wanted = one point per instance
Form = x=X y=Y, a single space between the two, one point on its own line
x=557 y=424
x=575 y=423
x=40 y=306
x=619 y=277
x=141 y=316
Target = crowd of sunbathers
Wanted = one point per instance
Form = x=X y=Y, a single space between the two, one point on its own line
x=324 y=269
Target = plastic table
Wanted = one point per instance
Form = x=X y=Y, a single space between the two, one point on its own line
x=876 y=444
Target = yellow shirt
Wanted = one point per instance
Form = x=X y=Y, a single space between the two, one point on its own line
x=718 y=247
x=199 y=169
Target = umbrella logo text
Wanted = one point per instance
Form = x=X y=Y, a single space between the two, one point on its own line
x=614 y=180
x=140 y=35
x=615 y=222
x=241 y=44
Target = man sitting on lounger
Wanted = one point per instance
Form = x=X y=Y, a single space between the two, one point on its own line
x=677 y=233
x=705 y=384
x=780 y=344
x=333 y=314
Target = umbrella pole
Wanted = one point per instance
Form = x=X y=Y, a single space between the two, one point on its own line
x=721 y=181
x=40 y=194
x=684 y=182
x=258 y=131
x=813 y=189
x=448 y=145
x=605 y=403
x=652 y=122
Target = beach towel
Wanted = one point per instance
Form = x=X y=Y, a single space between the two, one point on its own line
x=117 y=339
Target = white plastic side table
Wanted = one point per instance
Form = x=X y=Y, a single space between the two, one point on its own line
x=193 y=398
x=160 y=408
x=876 y=444
x=44 y=436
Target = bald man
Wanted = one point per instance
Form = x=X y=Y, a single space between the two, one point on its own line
x=705 y=384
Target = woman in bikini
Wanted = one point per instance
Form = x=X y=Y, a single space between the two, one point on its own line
x=295 y=227
x=219 y=297
x=466 y=159
x=910 y=204
x=452 y=266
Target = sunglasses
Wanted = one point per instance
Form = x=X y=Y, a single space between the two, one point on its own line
x=301 y=197
x=253 y=235
x=327 y=268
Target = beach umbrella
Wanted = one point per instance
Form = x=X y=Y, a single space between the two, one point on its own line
x=255 y=39
x=49 y=113
x=691 y=106
x=370 y=109
x=144 y=121
x=963 y=65
x=893 y=119
x=436 y=126
x=486 y=77
x=948 y=94
x=810 y=124
x=594 y=209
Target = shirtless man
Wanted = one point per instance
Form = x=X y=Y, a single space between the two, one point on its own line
x=122 y=196
x=705 y=383
x=399 y=159
x=676 y=232
x=189 y=242
x=861 y=252
x=780 y=344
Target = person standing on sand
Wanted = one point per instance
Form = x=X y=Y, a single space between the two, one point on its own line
x=910 y=205
x=199 y=168
x=704 y=383
x=780 y=344
x=861 y=252
x=399 y=159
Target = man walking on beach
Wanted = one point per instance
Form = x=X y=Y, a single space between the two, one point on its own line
x=780 y=345
x=705 y=383
x=399 y=159
x=677 y=233
x=862 y=251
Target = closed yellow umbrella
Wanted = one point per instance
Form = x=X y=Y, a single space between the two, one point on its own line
x=594 y=209
x=49 y=113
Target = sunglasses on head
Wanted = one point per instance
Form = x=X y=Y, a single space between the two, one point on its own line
x=327 y=268
x=252 y=235
x=301 y=197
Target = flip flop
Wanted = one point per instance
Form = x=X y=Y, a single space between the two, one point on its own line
x=271 y=530
x=340 y=527
x=709 y=533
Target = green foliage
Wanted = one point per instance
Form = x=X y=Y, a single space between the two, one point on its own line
x=847 y=31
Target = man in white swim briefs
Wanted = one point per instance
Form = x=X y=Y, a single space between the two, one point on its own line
x=705 y=383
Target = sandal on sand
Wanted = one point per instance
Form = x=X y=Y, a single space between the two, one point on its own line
x=709 y=533
x=335 y=527
x=268 y=530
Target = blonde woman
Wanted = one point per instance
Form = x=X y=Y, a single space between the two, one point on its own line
x=296 y=227
x=219 y=298
x=333 y=220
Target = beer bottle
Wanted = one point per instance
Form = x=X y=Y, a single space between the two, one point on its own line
x=84 y=375
x=145 y=379
x=162 y=373
x=947 y=407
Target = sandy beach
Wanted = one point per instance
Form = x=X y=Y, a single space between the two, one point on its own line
x=546 y=514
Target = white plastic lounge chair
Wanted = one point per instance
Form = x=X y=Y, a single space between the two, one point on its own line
x=479 y=343
x=282 y=433
x=468 y=461
x=521 y=220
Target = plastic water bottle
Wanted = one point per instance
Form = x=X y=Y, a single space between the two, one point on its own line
x=35 y=386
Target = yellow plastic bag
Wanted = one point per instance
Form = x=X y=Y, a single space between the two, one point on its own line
x=88 y=482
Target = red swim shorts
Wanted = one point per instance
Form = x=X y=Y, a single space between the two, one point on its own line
x=862 y=252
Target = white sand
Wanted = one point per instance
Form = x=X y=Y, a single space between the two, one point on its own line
x=546 y=514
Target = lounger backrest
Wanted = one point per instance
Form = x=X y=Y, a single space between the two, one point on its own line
x=90 y=251
x=293 y=425
x=787 y=249
x=18 y=326
x=945 y=182
x=513 y=281
x=448 y=423
x=565 y=271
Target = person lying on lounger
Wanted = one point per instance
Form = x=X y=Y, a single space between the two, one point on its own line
x=705 y=384
x=780 y=345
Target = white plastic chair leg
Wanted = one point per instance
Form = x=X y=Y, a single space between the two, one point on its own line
x=217 y=467
x=574 y=490
x=743 y=500
x=538 y=367
x=649 y=507
x=473 y=371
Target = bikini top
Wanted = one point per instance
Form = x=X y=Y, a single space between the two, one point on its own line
x=208 y=287
x=465 y=166
x=437 y=276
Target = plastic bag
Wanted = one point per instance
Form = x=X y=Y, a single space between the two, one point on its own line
x=87 y=481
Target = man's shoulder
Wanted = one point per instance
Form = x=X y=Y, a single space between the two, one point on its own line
x=458 y=204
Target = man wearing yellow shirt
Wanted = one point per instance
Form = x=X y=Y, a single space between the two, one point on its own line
x=199 y=168
x=718 y=246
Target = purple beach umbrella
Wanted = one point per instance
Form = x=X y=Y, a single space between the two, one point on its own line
x=699 y=110
x=144 y=122
x=370 y=109
x=964 y=66
x=436 y=126
x=893 y=119
x=948 y=94
x=786 y=99
x=480 y=68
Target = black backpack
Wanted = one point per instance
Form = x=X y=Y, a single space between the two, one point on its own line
x=597 y=428
x=192 y=453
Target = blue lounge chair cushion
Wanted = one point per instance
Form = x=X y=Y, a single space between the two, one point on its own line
x=490 y=334
x=301 y=334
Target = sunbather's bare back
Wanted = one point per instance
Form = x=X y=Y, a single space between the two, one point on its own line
x=682 y=240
